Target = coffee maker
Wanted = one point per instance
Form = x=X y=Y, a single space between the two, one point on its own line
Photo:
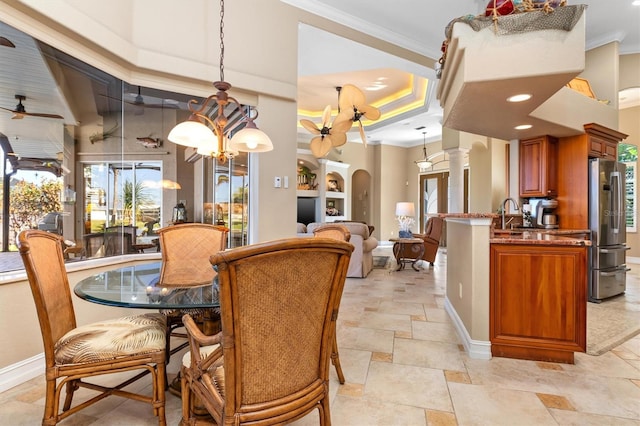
x=543 y=213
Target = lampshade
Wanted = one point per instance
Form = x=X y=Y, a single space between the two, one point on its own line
x=405 y=209
x=251 y=139
x=424 y=164
x=192 y=133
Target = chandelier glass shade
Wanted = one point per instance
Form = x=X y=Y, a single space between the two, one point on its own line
x=208 y=135
x=425 y=163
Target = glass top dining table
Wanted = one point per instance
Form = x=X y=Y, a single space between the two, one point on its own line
x=137 y=287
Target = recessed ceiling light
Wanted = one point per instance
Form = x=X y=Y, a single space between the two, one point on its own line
x=636 y=3
x=523 y=127
x=519 y=98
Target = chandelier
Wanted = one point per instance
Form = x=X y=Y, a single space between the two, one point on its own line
x=425 y=163
x=215 y=141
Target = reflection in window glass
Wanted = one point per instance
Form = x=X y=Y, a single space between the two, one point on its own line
x=226 y=197
x=123 y=194
x=628 y=154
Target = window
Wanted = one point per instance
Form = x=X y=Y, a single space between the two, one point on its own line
x=122 y=193
x=628 y=154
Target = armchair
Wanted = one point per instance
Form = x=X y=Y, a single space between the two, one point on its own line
x=75 y=353
x=186 y=249
x=431 y=237
x=278 y=303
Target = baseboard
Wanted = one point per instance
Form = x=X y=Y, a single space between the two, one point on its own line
x=476 y=349
x=20 y=372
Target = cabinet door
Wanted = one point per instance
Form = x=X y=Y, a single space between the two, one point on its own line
x=538 y=301
x=538 y=167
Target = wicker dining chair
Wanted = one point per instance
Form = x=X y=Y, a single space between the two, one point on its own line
x=279 y=301
x=337 y=232
x=74 y=353
x=185 y=250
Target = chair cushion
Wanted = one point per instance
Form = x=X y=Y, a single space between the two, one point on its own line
x=111 y=339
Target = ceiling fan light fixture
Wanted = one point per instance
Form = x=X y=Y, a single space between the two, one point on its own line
x=191 y=133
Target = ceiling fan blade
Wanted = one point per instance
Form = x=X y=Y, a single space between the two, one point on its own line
x=345 y=116
x=320 y=146
x=326 y=116
x=338 y=139
x=370 y=112
x=310 y=126
x=341 y=126
x=36 y=114
x=350 y=95
x=362 y=135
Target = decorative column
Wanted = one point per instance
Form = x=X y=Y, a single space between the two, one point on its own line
x=456 y=179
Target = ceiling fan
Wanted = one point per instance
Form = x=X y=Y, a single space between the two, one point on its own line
x=327 y=136
x=19 y=112
x=140 y=104
x=352 y=106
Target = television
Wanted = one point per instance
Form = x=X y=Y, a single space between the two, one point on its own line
x=306 y=210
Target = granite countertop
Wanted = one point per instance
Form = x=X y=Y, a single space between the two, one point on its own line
x=565 y=237
x=468 y=215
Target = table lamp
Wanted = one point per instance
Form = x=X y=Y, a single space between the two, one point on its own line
x=405 y=212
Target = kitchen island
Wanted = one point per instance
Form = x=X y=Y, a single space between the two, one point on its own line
x=516 y=293
x=538 y=294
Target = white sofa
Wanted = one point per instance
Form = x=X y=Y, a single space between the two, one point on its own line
x=361 y=262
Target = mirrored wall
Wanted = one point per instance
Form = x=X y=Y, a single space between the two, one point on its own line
x=84 y=152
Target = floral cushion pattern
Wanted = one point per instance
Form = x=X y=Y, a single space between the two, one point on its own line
x=106 y=340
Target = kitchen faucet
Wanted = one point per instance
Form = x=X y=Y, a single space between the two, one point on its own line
x=504 y=203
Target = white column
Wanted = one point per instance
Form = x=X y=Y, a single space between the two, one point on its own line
x=456 y=179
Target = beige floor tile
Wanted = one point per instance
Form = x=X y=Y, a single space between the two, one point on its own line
x=407 y=385
x=491 y=405
x=600 y=395
x=512 y=374
x=355 y=364
x=421 y=353
x=366 y=339
x=348 y=411
x=563 y=417
x=434 y=331
x=382 y=321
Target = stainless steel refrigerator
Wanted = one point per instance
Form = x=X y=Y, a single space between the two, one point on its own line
x=608 y=229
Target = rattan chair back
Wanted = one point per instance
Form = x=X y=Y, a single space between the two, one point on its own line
x=279 y=302
x=74 y=353
x=186 y=249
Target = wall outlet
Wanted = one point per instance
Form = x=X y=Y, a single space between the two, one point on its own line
x=277 y=182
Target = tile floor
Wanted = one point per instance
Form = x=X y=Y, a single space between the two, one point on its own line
x=404 y=366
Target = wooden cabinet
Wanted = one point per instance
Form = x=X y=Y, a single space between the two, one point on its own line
x=573 y=171
x=602 y=142
x=538 y=301
x=538 y=173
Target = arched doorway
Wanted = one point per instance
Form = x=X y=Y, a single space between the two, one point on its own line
x=361 y=196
